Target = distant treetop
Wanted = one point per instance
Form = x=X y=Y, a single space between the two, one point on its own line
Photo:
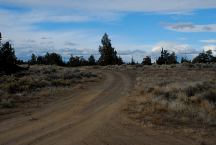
x=108 y=53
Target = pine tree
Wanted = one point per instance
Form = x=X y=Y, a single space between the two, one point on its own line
x=171 y=59
x=108 y=53
x=161 y=59
x=53 y=59
x=83 y=61
x=120 y=61
x=91 y=60
x=147 y=60
x=40 y=60
x=7 y=58
x=74 y=61
x=204 y=57
x=167 y=58
x=132 y=61
x=33 y=59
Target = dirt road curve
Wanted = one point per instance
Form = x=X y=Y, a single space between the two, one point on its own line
x=87 y=117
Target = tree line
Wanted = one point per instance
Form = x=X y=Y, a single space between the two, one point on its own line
x=56 y=59
x=108 y=56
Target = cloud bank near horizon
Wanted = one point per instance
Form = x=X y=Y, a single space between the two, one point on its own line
x=76 y=27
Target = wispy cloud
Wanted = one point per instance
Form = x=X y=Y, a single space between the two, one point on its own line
x=178 y=48
x=117 y=5
x=69 y=43
x=18 y=19
x=189 y=27
x=209 y=41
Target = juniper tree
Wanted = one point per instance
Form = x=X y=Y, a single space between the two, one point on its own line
x=120 y=61
x=74 y=61
x=53 y=59
x=167 y=58
x=91 y=60
x=33 y=59
x=108 y=53
x=7 y=58
x=132 y=61
x=204 y=57
x=147 y=60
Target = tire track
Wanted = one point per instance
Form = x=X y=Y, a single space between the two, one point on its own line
x=58 y=125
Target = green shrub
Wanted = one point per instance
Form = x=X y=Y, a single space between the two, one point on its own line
x=7 y=103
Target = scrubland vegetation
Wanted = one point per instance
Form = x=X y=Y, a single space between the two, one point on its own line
x=167 y=93
x=177 y=96
x=40 y=83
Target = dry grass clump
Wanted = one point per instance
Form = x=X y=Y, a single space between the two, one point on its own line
x=37 y=78
x=193 y=102
x=175 y=96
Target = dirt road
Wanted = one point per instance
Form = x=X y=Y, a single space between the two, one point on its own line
x=88 y=116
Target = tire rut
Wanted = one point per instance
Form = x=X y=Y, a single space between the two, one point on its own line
x=92 y=111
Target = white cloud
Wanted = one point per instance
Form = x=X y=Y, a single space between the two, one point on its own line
x=69 y=43
x=118 y=5
x=19 y=27
x=173 y=47
x=209 y=41
x=180 y=49
x=189 y=27
x=91 y=10
x=210 y=47
x=41 y=42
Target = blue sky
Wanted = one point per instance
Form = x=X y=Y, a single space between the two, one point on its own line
x=137 y=28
